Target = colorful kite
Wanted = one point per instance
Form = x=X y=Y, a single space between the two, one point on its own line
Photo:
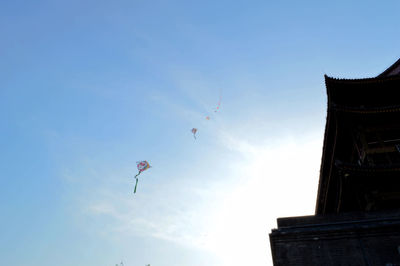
x=207 y=117
x=194 y=131
x=141 y=166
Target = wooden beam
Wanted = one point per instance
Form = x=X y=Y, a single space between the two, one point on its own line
x=387 y=149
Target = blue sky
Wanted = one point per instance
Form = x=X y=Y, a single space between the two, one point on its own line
x=87 y=88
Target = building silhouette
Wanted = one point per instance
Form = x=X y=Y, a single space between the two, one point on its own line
x=357 y=216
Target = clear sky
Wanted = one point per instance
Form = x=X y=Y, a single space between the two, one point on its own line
x=87 y=88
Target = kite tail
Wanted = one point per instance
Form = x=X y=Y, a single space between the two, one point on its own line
x=137 y=179
x=136 y=185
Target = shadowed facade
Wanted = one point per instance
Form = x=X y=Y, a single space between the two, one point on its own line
x=357 y=217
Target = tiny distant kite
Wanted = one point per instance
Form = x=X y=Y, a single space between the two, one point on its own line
x=219 y=101
x=194 y=131
x=141 y=166
x=218 y=105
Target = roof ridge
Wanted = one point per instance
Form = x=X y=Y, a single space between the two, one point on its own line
x=389 y=69
x=362 y=80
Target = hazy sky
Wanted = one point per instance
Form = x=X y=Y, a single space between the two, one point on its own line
x=87 y=88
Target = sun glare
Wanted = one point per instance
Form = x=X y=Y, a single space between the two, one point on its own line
x=276 y=182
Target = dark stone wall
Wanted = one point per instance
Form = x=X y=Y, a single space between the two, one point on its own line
x=345 y=239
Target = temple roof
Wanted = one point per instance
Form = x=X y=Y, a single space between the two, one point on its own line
x=362 y=122
x=393 y=70
x=363 y=93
